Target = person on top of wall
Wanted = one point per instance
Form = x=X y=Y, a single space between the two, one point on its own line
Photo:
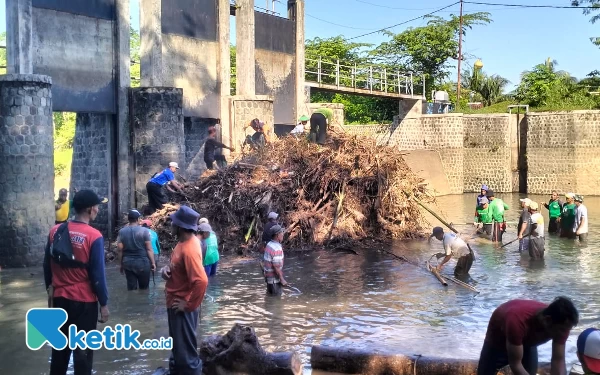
x=567 y=217
x=210 y=146
x=301 y=127
x=554 y=207
x=261 y=136
x=159 y=181
x=581 y=220
x=319 y=121
x=497 y=208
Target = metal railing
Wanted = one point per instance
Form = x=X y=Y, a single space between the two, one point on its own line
x=372 y=78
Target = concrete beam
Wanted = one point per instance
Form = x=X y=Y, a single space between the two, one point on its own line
x=224 y=71
x=151 y=43
x=296 y=13
x=19 y=43
x=245 y=48
x=124 y=163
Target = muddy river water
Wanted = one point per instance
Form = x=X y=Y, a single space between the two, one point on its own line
x=369 y=301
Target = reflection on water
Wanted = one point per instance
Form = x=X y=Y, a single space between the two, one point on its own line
x=366 y=301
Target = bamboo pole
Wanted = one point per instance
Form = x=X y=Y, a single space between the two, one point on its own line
x=436 y=274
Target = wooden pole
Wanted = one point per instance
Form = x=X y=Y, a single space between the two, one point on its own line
x=460 y=32
x=436 y=274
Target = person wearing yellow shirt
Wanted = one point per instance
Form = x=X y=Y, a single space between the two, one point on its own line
x=62 y=206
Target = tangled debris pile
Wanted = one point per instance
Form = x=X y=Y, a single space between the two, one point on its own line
x=338 y=194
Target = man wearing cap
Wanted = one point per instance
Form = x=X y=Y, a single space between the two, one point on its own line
x=62 y=206
x=523 y=226
x=567 y=217
x=266 y=236
x=554 y=207
x=273 y=262
x=185 y=287
x=155 y=187
x=78 y=290
x=484 y=216
x=301 y=127
x=135 y=252
x=588 y=351
x=518 y=327
x=484 y=190
x=497 y=208
x=210 y=247
x=581 y=220
x=454 y=246
x=153 y=238
x=536 y=240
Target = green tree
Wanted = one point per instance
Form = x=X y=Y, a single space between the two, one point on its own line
x=232 y=58
x=135 y=68
x=428 y=49
x=593 y=6
x=488 y=88
x=2 y=52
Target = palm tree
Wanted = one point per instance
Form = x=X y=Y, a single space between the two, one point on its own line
x=492 y=88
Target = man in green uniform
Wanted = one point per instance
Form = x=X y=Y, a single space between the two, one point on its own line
x=484 y=216
x=319 y=121
x=497 y=208
x=554 y=207
x=567 y=217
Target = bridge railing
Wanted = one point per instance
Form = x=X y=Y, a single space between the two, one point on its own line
x=365 y=77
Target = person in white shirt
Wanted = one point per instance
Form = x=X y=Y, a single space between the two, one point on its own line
x=454 y=246
x=301 y=127
x=536 y=240
x=581 y=219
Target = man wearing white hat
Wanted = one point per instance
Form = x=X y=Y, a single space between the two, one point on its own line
x=159 y=181
x=588 y=351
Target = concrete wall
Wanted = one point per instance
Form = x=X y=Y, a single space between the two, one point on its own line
x=275 y=70
x=196 y=132
x=27 y=168
x=563 y=152
x=158 y=134
x=93 y=153
x=74 y=44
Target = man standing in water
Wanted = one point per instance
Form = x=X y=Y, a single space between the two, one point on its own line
x=135 y=253
x=185 y=288
x=273 y=262
x=567 y=217
x=536 y=241
x=554 y=207
x=484 y=216
x=518 y=327
x=78 y=288
x=454 y=246
x=523 y=228
x=581 y=220
x=497 y=208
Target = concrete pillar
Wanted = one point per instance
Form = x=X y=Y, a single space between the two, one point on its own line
x=158 y=134
x=124 y=163
x=27 y=168
x=245 y=48
x=92 y=162
x=410 y=108
x=19 y=41
x=296 y=13
x=151 y=43
x=224 y=72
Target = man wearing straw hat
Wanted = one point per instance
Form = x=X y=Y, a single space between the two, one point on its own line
x=185 y=288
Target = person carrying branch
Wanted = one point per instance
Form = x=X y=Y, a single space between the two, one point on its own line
x=454 y=246
x=210 y=146
x=155 y=187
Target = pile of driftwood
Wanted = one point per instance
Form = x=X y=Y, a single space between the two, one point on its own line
x=338 y=194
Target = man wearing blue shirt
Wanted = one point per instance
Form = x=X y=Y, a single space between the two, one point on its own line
x=155 y=187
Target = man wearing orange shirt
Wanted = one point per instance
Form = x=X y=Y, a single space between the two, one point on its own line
x=184 y=289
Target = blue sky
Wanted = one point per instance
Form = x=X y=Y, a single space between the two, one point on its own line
x=516 y=40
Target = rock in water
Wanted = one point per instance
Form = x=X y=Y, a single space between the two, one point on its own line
x=239 y=352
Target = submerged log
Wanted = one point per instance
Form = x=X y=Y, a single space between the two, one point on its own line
x=351 y=361
x=239 y=352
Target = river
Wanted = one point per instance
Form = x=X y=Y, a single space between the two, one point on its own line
x=369 y=301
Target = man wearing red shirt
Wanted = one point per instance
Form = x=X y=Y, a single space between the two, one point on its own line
x=518 y=327
x=184 y=289
x=78 y=290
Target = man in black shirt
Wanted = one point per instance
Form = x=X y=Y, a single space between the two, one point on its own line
x=210 y=147
x=523 y=226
